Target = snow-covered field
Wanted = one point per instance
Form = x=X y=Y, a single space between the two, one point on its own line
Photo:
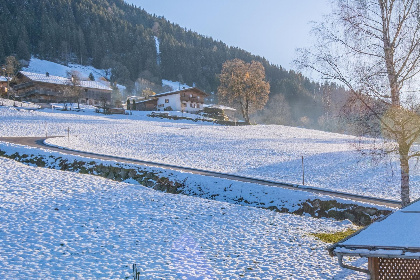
x=62 y=225
x=263 y=151
x=41 y=66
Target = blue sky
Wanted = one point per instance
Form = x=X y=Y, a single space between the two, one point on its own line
x=269 y=28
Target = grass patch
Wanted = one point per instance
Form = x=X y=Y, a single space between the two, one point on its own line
x=335 y=236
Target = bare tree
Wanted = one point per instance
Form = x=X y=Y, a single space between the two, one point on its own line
x=242 y=85
x=73 y=90
x=10 y=70
x=116 y=96
x=373 y=48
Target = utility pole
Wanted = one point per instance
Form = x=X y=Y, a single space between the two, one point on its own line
x=8 y=86
x=303 y=173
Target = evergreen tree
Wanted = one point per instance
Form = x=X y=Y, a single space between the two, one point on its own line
x=112 y=34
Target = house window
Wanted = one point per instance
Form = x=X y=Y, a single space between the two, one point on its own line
x=191 y=95
x=191 y=105
x=198 y=105
x=166 y=100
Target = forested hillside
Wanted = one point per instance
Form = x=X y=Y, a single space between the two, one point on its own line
x=112 y=34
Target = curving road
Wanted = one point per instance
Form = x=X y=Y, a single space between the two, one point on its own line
x=38 y=142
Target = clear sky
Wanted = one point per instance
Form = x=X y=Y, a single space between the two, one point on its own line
x=269 y=28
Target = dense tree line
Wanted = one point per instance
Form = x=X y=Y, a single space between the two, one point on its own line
x=112 y=34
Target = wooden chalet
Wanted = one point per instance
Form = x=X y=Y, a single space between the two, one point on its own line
x=187 y=100
x=3 y=86
x=391 y=245
x=146 y=105
x=45 y=88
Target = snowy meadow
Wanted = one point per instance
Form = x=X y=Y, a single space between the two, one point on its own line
x=62 y=225
x=272 y=152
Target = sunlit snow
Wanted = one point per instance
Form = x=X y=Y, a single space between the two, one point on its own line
x=56 y=224
x=272 y=152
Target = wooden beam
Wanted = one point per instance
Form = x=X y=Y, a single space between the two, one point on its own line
x=373 y=266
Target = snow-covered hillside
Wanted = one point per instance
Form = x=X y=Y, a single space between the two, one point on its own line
x=269 y=152
x=62 y=225
x=42 y=66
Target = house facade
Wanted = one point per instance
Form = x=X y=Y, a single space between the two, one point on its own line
x=391 y=245
x=146 y=105
x=45 y=88
x=189 y=100
x=3 y=86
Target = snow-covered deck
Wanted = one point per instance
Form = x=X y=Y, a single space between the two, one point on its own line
x=396 y=236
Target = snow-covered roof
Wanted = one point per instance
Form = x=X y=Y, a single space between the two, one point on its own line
x=179 y=91
x=135 y=97
x=398 y=235
x=3 y=79
x=146 y=100
x=94 y=84
x=222 y=107
x=44 y=78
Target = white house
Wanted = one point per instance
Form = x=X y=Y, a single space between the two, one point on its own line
x=188 y=100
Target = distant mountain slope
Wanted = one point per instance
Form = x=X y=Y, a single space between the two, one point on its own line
x=111 y=34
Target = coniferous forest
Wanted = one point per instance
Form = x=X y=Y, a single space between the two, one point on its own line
x=112 y=34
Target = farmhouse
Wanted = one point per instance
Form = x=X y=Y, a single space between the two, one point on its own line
x=188 y=100
x=45 y=88
x=3 y=86
x=146 y=105
x=392 y=246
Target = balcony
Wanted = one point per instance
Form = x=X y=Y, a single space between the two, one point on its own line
x=193 y=99
x=23 y=85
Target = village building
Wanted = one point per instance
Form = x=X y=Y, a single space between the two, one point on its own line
x=392 y=246
x=46 y=88
x=3 y=86
x=220 y=112
x=146 y=105
x=189 y=100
